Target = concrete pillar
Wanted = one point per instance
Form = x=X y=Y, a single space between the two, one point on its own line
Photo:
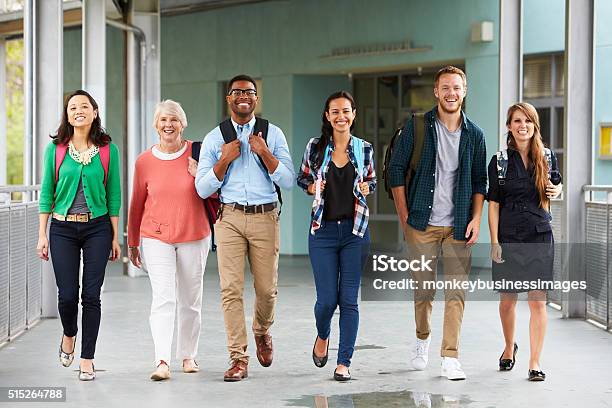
x=144 y=85
x=94 y=52
x=578 y=142
x=44 y=85
x=510 y=60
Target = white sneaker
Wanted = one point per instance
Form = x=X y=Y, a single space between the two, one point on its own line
x=420 y=353
x=451 y=369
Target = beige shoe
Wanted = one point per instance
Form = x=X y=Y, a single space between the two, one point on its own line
x=162 y=372
x=191 y=366
x=87 y=375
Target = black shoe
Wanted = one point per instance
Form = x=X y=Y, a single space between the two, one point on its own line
x=505 y=364
x=320 y=361
x=535 y=375
x=342 y=377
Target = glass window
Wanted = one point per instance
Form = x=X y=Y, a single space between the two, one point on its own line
x=544 y=88
x=363 y=89
x=417 y=93
x=386 y=123
x=559 y=75
x=537 y=77
x=544 y=114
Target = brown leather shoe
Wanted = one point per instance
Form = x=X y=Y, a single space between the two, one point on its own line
x=265 y=350
x=238 y=371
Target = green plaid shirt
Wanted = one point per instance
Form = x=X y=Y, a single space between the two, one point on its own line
x=471 y=174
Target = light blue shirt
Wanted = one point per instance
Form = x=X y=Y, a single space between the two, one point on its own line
x=246 y=181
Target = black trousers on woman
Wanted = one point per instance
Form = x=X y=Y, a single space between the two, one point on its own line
x=66 y=240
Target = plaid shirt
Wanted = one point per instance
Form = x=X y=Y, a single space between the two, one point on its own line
x=471 y=174
x=308 y=174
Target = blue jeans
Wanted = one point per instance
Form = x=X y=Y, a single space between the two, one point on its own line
x=66 y=240
x=337 y=257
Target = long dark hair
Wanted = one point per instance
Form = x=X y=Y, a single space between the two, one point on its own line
x=536 y=148
x=64 y=132
x=326 y=127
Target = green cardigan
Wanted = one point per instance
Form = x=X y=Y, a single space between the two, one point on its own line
x=101 y=199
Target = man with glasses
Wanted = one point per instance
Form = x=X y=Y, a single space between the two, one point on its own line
x=248 y=160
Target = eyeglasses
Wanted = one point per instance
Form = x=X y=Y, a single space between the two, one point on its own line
x=239 y=92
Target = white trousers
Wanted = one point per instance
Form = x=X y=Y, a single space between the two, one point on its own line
x=176 y=272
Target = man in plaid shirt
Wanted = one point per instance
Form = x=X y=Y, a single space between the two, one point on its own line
x=441 y=213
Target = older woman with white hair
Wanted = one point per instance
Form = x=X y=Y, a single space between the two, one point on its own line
x=168 y=217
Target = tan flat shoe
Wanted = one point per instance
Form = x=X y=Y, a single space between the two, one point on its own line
x=87 y=375
x=162 y=372
x=66 y=358
x=191 y=367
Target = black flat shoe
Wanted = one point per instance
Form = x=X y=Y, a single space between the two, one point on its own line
x=535 y=375
x=342 y=377
x=505 y=364
x=320 y=361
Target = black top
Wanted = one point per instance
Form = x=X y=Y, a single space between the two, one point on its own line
x=338 y=193
x=519 y=193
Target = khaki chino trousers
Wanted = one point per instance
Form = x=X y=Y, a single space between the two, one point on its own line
x=437 y=243
x=256 y=237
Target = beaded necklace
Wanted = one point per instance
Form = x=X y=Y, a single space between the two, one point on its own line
x=82 y=157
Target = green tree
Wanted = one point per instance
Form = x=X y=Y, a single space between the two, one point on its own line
x=14 y=111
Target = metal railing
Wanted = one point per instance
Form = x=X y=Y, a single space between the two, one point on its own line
x=20 y=268
x=556 y=209
x=598 y=260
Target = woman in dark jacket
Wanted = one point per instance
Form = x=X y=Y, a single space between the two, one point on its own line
x=522 y=180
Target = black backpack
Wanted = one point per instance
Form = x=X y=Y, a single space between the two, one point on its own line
x=261 y=125
x=418 y=123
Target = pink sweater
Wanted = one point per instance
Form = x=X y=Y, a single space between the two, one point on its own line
x=165 y=204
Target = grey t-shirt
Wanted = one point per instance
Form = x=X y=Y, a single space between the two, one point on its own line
x=79 y=205
x=447 y=163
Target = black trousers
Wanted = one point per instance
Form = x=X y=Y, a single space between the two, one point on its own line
x=66 y=240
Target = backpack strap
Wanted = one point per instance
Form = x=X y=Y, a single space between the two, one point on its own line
x=502 y=166
x=261 y=125
x=60 y=154
x=418 y=132
x=104 y=153
x=227 y=131
x=359 y=157
x=548 y=155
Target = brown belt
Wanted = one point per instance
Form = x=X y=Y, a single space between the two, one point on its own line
x=85 y=217
x=251 y=209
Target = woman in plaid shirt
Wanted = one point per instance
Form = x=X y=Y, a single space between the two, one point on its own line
x=338 y=170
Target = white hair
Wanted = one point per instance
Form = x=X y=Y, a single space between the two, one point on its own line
x=169 y=107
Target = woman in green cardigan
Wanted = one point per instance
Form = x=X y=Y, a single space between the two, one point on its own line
x=81 y=192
